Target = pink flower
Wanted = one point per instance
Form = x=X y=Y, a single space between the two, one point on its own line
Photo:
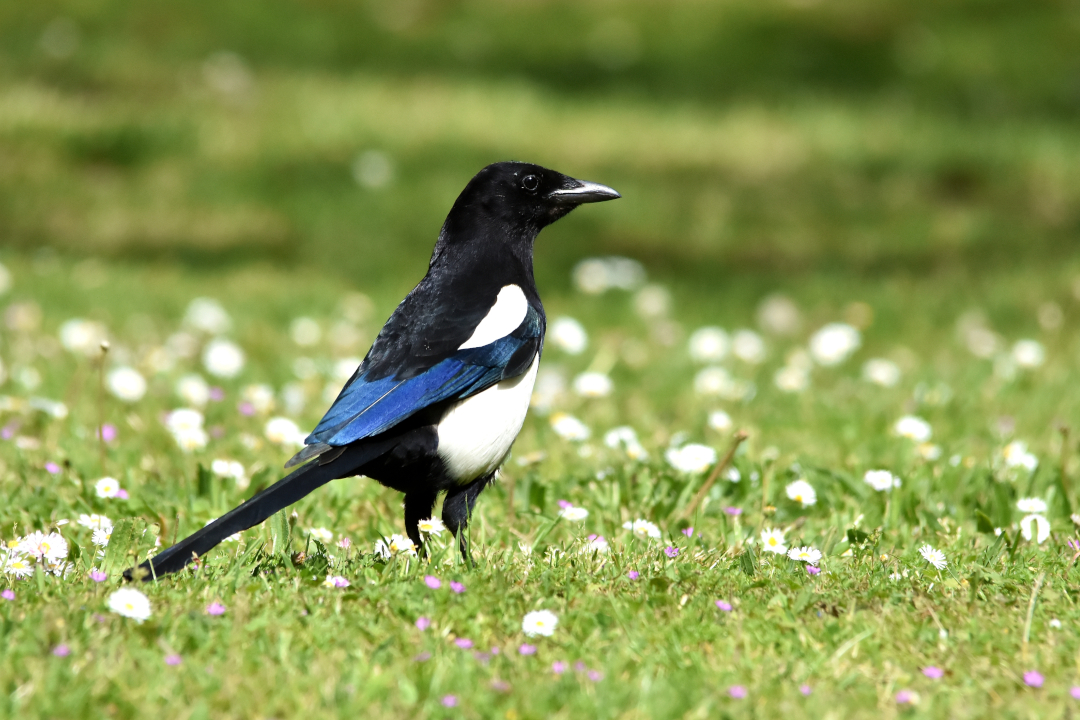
x=813 y=570
x=595 y=675
x=215 y=608
x=457 y=587
x=107 y=432
x=688 y=532
x=671 y=551
x=500 y=685
x=633 y=575
x=61 y=650
x=173 y=659
x=121 y=494
x=217 y=394
x=1033 y=678
x=52 y=468
x=98 y=576
x=934 y=673
x=8 y=594
x=449 y=701
x=733 y=511
x=559 y=667
x=564 y=504
x=737 y=691
x=580 y=666
x=527 y=649
x=432 y=582
x=805 y=690
x=723 y=605
x=904 y=697
x=422 y=623
x=344 y=543
x=464 y=643
x=246 y=408
x=1074 y=692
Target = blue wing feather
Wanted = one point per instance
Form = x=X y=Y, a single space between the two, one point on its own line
x=366 y=408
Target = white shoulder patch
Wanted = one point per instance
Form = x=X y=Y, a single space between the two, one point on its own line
x=502 y=319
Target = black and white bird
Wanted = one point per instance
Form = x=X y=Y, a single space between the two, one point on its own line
x=442 y=393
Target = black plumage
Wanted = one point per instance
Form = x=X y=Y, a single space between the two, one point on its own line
x=441 y=394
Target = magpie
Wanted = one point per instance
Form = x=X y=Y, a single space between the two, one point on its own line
x=442 y=394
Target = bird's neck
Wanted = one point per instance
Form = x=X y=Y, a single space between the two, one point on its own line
x=499 y=249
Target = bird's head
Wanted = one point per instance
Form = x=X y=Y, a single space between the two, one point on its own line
x=526 y=195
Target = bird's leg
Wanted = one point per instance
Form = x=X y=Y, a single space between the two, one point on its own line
x=457 y=509
x=418 y=506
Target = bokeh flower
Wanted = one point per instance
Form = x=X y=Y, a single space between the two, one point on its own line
x=913 y=428
x=691 y=458
x=223 y=358
x=126 y=383
x=834 y=343
x=539 y=622
x=642 y=528
x=806 y=554
x=130 y=603
x=801 y=492
x=881 y=480
x=772 y=540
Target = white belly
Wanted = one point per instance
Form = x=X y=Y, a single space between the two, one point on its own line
x=476 y=433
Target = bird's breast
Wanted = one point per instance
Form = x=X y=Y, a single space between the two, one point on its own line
x=475 y=434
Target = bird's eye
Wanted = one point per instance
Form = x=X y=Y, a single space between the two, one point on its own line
x=530 y=182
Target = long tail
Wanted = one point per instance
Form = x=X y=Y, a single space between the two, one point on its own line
x=281 y=494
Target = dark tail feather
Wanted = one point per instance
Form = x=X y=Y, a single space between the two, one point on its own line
x=281 y=494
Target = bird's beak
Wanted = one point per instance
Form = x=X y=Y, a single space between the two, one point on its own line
x=576 y=192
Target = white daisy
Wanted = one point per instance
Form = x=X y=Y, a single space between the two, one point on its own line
x=260 y=396
x=305 y=331
x=573 y=514
x=283 y=431
x=568 y=335
x=321 y=534
x=801 y=492
x=1041 y=528
x=569 y=427
x=791 y=379
x=806 y=554
x=17 y=565
x=748 y=346
x=642 y=528
x=933 y=556
x=1028 y=353
x=43 y=546
x=126 y=383
x=881 y=480
x=772 y=540
x=913 y=428
x=95 y=521
x=101 y=536
x=539 y=622
x=720 y=421
x=709 y=344
x=130 y=603
x=691 y=458
x=193 y=389
x=834 y=343
x=881 y=372
x=1035 y=506
x=184 y=419
x=597 y=544
x=1016 y=455
x=223 y=358
x=431 y=526
x=593 y=385
x=394 y=545
x=208 y=315
x=107 y=487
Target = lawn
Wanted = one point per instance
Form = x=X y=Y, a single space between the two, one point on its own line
x=855 y=233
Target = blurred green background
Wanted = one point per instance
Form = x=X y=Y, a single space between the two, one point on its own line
x=756 y=143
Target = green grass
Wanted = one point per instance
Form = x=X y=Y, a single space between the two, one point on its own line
x=918 y=158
